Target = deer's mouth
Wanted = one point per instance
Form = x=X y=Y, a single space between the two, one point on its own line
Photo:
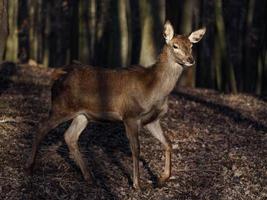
x=189 y=64
x=186 y=64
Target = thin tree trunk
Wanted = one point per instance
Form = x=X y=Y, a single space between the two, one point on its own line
x=46 y=32
x=218 y=64
x=74 y=29
x=3 y=27
x=135 y=32
x=102 y=31
x=118 y=45
x=12 y=40
x=113 y=36
x=59 y=38
x=234 y=13
x=23 y=32
x=254 y=46
x=264 y=61
x=147 y=54
x=152 y=14
x=84 y=45
x=124 y=30
x=40 y=31
x=228 y=76
x=206 y=74
x=188 y=76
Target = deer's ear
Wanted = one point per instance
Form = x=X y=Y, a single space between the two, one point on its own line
x=196 y=36
x=168 y=32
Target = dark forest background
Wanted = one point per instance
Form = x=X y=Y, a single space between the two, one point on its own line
x=117 y=33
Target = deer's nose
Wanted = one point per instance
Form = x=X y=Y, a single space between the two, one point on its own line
x=190 y=59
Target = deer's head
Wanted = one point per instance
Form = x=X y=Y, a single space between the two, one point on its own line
x=180 y=46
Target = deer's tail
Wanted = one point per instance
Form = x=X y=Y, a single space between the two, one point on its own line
x=57 y=73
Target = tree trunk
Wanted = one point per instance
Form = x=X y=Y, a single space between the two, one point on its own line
x=74 y=29
x=227 y=72
x=12 y=40
x=124 y=30
x=60 y=34
x=205 y=68
x=135 y=32
x=102 y=33
x=152 y=14
x=188 y=76
x=234 y=13
x=87 y=11
x=3 y=27
x=23 y=32
x=264 y=60
x=254 y=46
x=114 y=36
x=46 y=7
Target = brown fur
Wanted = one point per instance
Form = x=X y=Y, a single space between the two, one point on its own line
x=135 y=95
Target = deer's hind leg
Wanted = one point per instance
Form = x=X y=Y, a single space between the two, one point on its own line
x=71 y=136
x=43 y=129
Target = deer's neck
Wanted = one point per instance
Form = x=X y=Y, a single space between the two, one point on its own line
x=167 y=72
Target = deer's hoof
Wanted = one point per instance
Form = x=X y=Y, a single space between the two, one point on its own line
x=162 y=179
x=136 y=186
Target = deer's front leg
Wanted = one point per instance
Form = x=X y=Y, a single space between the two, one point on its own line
x=155 y=129
x=132 y=130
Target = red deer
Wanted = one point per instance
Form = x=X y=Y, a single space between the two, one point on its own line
x=137 y=96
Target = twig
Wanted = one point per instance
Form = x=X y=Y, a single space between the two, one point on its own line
x=7 y=120
x=12 y=120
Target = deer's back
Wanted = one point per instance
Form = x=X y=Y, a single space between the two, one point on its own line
x=102 y=93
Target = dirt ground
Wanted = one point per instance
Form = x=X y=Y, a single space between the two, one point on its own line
x=219 y=148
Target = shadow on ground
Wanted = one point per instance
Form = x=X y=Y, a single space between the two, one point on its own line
x=219 y=150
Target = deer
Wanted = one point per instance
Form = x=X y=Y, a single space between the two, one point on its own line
x=137 y=96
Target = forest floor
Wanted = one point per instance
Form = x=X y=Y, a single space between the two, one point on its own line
x=219 y=148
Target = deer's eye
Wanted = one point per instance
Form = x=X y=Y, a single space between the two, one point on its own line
x=175 y=46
